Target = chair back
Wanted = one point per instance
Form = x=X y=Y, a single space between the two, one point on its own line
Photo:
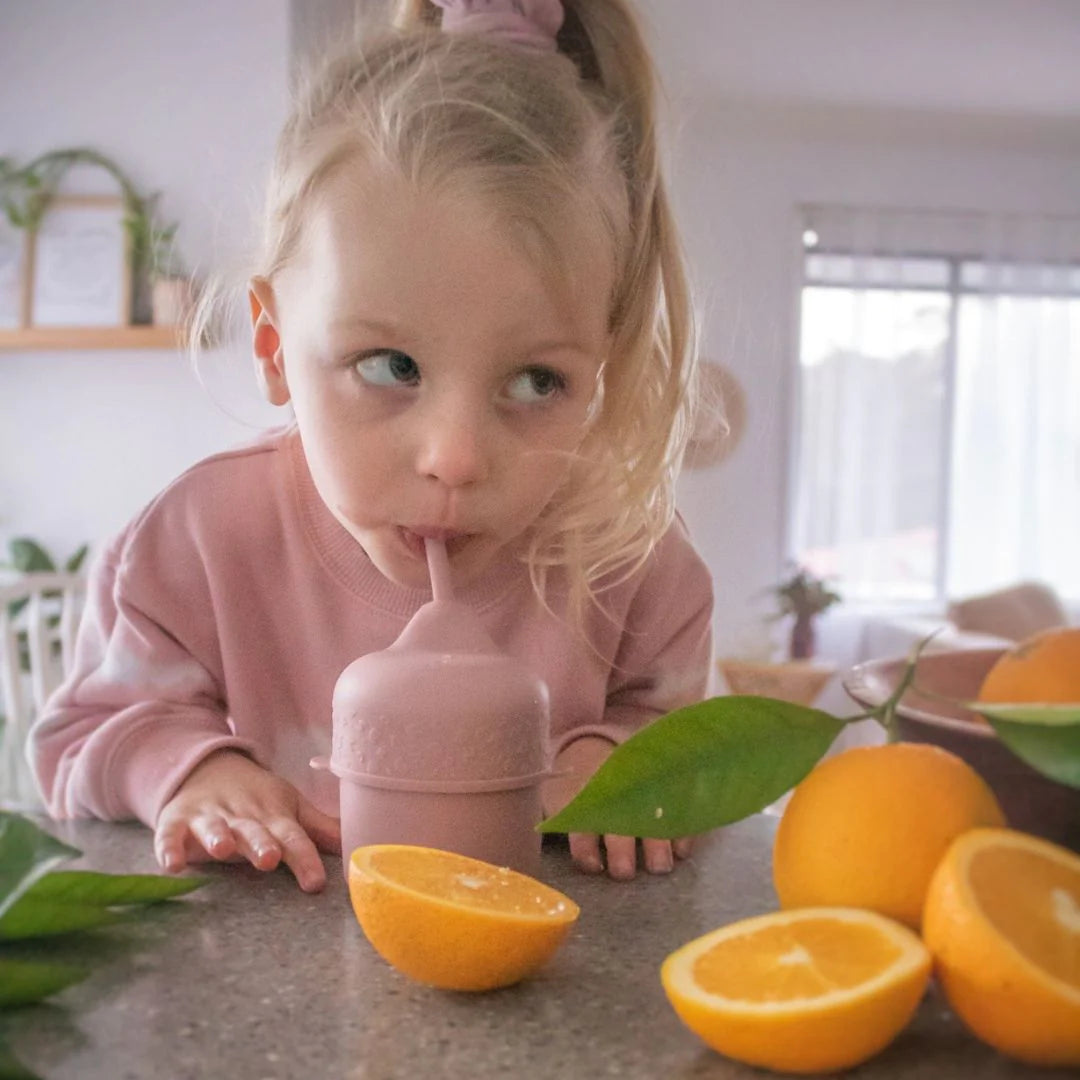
x=39 y=615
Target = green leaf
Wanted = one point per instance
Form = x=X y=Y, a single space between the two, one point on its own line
x=700 y=767
x=1045 y=715
x=36 y=903
x=11 y=1068
x=1047 y=737
x=69 y=900
x=26 y=854
x=29 y=556
x=76 y=560
x=34 y=918
x=26 y=982
x=111 y=890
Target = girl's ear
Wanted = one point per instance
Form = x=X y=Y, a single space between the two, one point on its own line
x=266 y=342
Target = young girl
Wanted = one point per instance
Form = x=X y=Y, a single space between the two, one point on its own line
x=471 y=296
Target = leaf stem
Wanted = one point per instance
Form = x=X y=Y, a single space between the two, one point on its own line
x=871 y=715
x=885 y=713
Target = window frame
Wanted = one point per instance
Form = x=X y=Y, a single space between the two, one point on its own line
x=955 y=289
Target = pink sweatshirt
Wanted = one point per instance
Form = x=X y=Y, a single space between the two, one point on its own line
x=224 y=613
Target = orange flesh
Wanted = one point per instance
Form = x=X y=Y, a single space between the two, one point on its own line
x=789 y=963
x=458 y=880
x=1035 y=904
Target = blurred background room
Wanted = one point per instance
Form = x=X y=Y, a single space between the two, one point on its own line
x=881 y=209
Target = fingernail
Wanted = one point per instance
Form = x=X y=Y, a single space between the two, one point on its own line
x=267 y=856
x=621 y=868
x=662 y=864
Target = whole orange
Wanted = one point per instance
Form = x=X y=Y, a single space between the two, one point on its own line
x=1044 y=669
x=867 y=828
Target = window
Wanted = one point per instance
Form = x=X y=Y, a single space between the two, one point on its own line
x=938 y=446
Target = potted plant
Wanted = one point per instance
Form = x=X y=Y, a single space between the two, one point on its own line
x=170 y=287
x=805 y=596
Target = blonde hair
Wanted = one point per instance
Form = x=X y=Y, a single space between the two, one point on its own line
x=546 y=136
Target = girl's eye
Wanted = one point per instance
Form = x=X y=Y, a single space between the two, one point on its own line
x=535 y=384
x=388 y=367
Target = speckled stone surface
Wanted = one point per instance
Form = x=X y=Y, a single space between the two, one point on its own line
x=249 y=978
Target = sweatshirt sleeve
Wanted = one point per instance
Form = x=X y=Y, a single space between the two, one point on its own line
x=137 y=712
x=665 y=651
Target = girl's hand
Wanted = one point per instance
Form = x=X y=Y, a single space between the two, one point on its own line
x=576 y=763
x=231 y=809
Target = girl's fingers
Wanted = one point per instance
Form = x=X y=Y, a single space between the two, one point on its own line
x=683 y=847
x=621 y=856
x=213 y=833
x=170 y=845
x=585 y=851
x=299 y=854
x=658 y=856
x=323 y=829
x=256 y=844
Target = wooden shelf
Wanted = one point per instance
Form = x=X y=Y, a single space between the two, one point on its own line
x=92 y=337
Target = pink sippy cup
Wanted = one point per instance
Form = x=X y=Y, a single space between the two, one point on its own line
x=441 y=739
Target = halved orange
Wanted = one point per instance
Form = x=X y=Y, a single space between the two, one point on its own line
x=805 y=990
x=1002 y=920
x=454 y=922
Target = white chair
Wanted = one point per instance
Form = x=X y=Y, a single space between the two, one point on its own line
x=39 y=615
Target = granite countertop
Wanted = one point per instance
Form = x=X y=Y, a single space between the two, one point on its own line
x=251 y=979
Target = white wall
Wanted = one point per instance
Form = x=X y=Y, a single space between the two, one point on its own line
x=188 y=99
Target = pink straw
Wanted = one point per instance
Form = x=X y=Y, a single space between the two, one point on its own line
x=439 y=569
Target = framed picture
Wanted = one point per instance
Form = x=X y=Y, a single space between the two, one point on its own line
x=14 y=280
x=80 y=265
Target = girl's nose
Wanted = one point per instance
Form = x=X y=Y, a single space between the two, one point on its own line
x=453 y=447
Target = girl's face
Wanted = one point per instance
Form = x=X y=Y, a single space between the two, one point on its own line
x=440 y=381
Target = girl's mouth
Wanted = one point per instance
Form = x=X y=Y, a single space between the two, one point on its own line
x=414 y=540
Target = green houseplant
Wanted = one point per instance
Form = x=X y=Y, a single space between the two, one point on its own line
x=805 y=596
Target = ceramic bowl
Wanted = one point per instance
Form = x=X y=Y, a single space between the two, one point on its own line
x=1031 y=801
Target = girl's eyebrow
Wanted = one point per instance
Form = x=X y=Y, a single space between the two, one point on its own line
x=378 y=326
x=395 y=332
x=559 y=346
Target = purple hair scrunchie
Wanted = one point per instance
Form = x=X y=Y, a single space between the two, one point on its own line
x=528 y=24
